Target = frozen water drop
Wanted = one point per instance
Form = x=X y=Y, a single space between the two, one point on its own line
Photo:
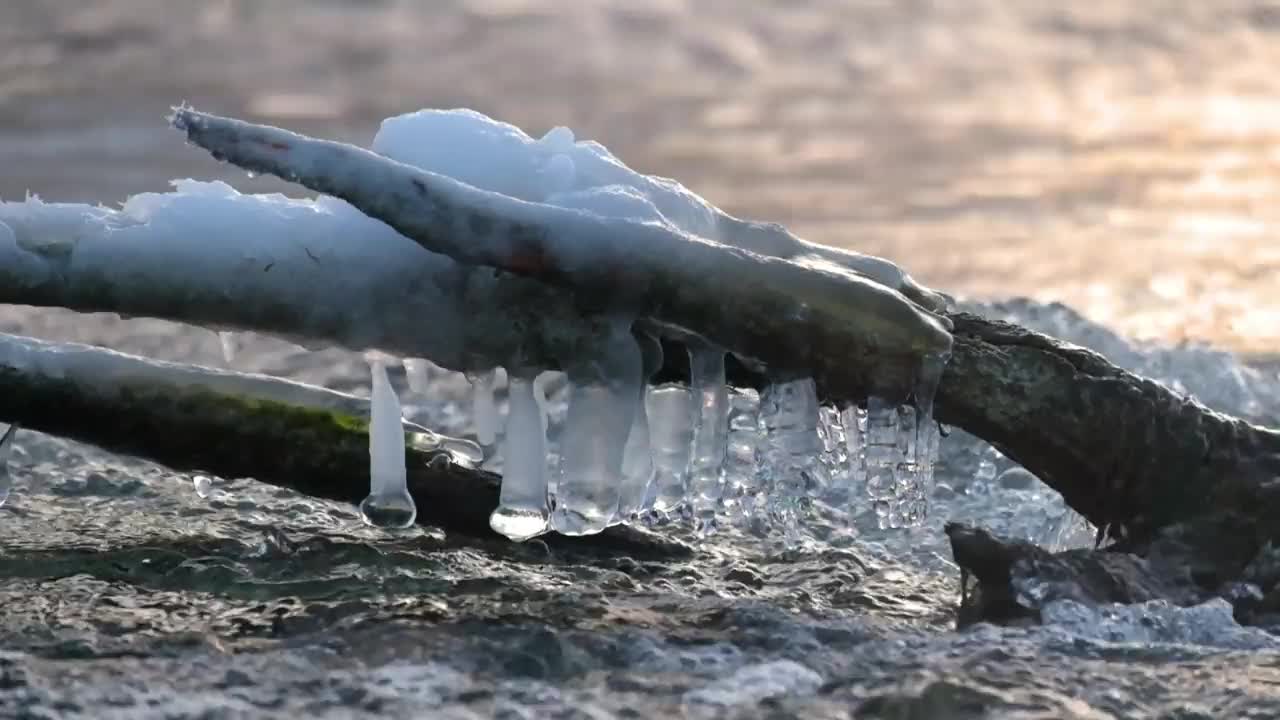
x=203 y=485
x=522 y=506
x=6 y=450
x=389 y=504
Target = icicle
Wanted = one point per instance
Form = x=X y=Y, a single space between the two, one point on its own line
x=743 y=488
x=790 y=451
x=522 y=506
x=484 y=410
x=389 y=503
x=882 y=456
x=602 y=401
x=672 y=413
x=710 y=434
x=230 y=346
x=854 y=474
x=901 y=447
x=6 y=449
x=638 y=469
x=925 y=448
x=834 y=459
x=417 y=372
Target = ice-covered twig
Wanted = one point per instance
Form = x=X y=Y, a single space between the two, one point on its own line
x=282 y=433
x=807 y=316
x=318 y=272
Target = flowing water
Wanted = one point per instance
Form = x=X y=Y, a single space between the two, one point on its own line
x=1116 y=157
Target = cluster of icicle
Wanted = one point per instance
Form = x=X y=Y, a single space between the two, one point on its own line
x=703 y=452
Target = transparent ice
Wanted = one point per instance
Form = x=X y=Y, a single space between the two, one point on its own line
x=672 y=413
x=522 y=506
x=604 y=396
x=710 y=434
x=789 y=454
x=638 y=469
x=483 y=407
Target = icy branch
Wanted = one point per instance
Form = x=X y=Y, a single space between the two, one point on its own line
x=805 y=315
x=282 y=433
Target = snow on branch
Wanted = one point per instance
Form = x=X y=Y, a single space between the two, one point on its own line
x=795 y=314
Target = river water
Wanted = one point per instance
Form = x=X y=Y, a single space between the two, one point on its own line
x=1119 y=158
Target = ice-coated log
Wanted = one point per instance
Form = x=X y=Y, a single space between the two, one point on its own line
x=135 y=408
x=799 y=313
x=316 y=272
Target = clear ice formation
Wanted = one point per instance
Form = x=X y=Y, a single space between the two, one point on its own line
x=483 y=407
x=710 y=434
x=522 y=506
x=6 y=449
x=638 y=467
x=389 y=504
x=604 y=396
x=673 y=413
x=743 y=493
x=789 y=454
